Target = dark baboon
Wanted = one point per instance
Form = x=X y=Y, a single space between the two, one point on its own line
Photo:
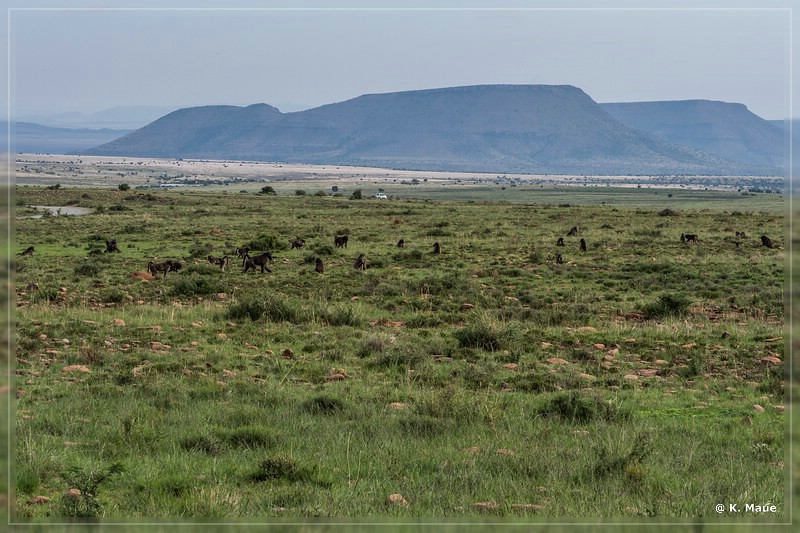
x=27 y=251
x=241 y=252
x=298 y=243
x=436 y=248
x=319 y=267
x=559 y=259
x=560 y=241
x=690 y=237
x=361 y=262
x=583 y=245
x=165 y=267
x=736 y=243
x=766 y=241
x=111 y=246
x=741 y=234
x=257 y=260
x=340 y=242
x=401 y=243
x=573 y=232
x=221 y=262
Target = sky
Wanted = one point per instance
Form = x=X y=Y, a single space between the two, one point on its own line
x=87 y=60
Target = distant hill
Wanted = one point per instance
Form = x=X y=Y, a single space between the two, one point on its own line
x=486 y=128
x=728 y=130
x=117 y=118
x=35 y=138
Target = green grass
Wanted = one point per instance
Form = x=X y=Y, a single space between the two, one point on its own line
x=441 y=378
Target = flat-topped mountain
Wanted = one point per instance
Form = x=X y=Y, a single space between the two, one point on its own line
x=485 y=128
x=728 y=130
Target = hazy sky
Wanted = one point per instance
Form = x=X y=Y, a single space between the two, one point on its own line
x=90 y=60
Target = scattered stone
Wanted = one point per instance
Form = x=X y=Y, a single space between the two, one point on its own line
x=354 y=298
x=75 y=368
x=587 y=377
x=155 y=345
x=397 y=499
x=589 y=329
x=72 y=493
x=473 y=449
x=335 y=377
x=747 y=421
x=468 y=306
x=758 y=408
x=632 y=377
x=647 y=372
x=660 y=362
x=630 y=341
x=222 y=383
x=42 y=337
x=68 y=443
x=613 y=351
x=117 y=322
x=779 y=408
x=397 y=405
x=504 y=451
x=770 y=360
x=557 y=361
x=599 y=346
x=485 y=505
x=773 y=339
x=688 y=346
x=194 y=343
x=222 y=336
x=38 y=500
x=511 y=366
x=197 y=324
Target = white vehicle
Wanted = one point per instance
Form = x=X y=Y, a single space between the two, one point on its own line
x=381 y=196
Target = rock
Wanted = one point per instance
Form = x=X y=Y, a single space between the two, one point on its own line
x=557 y=361
x=228 y=373
x=397 y=499
x=468 y=306
x=632 y=377
x=758 y=408
x=75 y=368
x=647 y=372
x=773 y=339
x=335 y=377
x=397 y=405
x=155 y=345
x=747 y=421
x=545 y=345
x=511 y=366
x=725 y=335
x=222 y=336
x=38 y=500
x=197 y=324
x=770 y=360
x=473 y=449
x=688 y=346
x=485 y=505
x=589 y=329
x=613 y=351
x=72 y=494
x=117 y=322
x=599 y=346
x=587 y=377
x=504 y=451
x=778 y=408
x=629 y=341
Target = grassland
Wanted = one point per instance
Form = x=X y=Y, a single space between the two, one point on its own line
x=640 y=380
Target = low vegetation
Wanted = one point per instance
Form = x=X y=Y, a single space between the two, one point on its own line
x=640 y=378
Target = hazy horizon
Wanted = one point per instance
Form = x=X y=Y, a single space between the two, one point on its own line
x=90 y=60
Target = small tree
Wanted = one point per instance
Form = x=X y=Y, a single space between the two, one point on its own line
x=335 y=188
x=356 y=195
x=268 y=190
x=300 y=192
x=124 y=187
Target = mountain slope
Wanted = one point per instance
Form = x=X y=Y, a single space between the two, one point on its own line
x=489 y=128
x=728 y=130
x=35 y=138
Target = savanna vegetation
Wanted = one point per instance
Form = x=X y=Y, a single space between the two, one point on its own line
x=641 y=379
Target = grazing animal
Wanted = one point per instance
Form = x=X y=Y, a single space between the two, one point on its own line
x=221 y=262
x=690 y=237
x=573 y=232
x=241 y=252
x=340 y=242
x=319 y=267
x=165 y=267
x=401 y=243
x=560 y=241
x=27 y=251
x=436 y=249
x=766 y=241
x=111 y=246
x=559 y=259
x=257 y=260
x=298 y=243
x=361 y=262
x=583 y=245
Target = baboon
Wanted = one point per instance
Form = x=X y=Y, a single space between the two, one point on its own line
x=221 y=262
x=573 y=232
x=436 y=249
x=741 y=234
x=560 y=241
x=27 y=251
x=690 y=237
x=165 y=267
x=257 y=260
x=766 y=241
x=361 y=262
x=319 y=267
x=241 y=252
x=111 y=246
x=401 y=243
x=340 y=242
x=298 y=243
x=559 y=259
x=32 y=286
x=583 y=245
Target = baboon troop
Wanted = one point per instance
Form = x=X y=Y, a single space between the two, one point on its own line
x=361 y=262
x=340 y=242
x=573 y=232
x=583 y=245
x=766 y=241
x=298 y=243
x=111 y=246
x=690 y=237
x=560 y=241
x=165 y=267
x=319 y=267
x=27 y=251
x=401 y=243
x=257 y=260
x=242 y=252
x=221 y=262
x=436 y=249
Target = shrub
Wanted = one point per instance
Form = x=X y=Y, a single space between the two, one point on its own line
x=273 y=309
x=576 y=406
x=323 y=405
x=268 y=190
x=668 y=305
x=124 y=187
x=356 y=195
x=87 y=269
x=194 y=285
